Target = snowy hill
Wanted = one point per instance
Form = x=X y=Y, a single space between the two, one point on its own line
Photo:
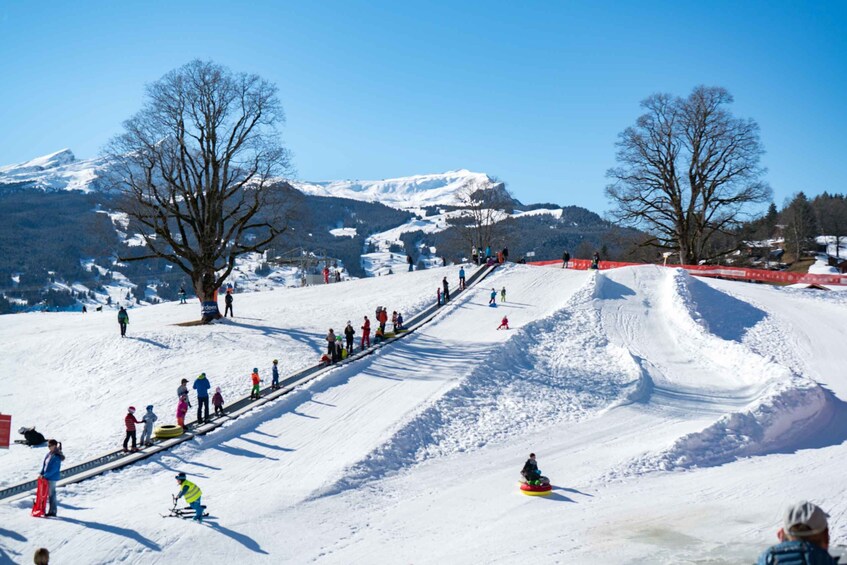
x=676 y=417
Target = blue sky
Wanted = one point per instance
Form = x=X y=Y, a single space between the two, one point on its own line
x=532 y=92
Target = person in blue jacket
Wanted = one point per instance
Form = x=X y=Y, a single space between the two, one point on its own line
x=462 y=278
x=202 y=386
x=275 y=375
x=51 y=469
x=804 y=538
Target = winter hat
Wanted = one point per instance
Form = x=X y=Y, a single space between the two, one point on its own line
x=349 y=322
x=275 y=361
x=218 y=389
x=180 y=477
x=150 y=407
x=201 y=376
x=805 y=519
x=131 y=409
x=255 y=370
x=184 y=381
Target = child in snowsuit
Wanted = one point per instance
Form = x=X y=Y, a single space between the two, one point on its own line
x=275 y=375
x=218 y=401
x=366 y=334
x=181 y=410
x=399 y=325
x=254 y=393
x=378 y=335
x=504 y=324
x=149 y=419
x=130 y=422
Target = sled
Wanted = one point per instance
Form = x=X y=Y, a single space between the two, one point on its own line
x=535 y=490
x=184 y=512
x=42 y=492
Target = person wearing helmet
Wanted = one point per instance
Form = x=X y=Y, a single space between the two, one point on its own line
x=130 y=420
x=275 y=375
x=31 y=437
x=149 y=419
x=192 y=494
x=254 y=393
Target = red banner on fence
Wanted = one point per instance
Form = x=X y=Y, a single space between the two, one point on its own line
x=5 y=431
x=724 y=272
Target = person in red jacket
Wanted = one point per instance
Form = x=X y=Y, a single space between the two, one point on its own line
x=254 y=392
x=504 y=324
x=382 y=317
x=366 y=334
x=130 y=422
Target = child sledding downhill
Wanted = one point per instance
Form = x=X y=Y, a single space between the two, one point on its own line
x=254 y=392
x=504 y=324
x=531 y=474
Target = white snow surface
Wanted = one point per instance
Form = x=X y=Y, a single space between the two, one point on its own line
x=675 y=416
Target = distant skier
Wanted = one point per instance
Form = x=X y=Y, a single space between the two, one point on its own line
x=228 y=309
x=492 y=301
x=181 y=410
x=366 y=334
x=566 y=259
x=130 y=420
x=275 y=375
x=254 y=378
x=182 y=295
x=192 y=494
x=202 y=386
x=149 y=419
x=446 y=294
x=183 y=391
x=218 y=402
x=503 y=294
x=123 y=320
x=461 y=278
x=504 y=324
x=349 y=332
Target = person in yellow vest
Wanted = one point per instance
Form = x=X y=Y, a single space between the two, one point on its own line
x=192 y=495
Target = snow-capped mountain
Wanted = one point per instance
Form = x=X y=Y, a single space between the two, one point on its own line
x=56 y=171
x=405 y=192
x=63 y=171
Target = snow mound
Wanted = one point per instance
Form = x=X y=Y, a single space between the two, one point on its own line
x=556 y=369
x=785 y=409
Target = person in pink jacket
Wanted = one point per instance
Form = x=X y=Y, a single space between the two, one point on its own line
x=181 y=410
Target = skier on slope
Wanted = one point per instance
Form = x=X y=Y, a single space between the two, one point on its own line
x=192 y=494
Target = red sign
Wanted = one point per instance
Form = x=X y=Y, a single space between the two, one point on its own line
x=5 y=431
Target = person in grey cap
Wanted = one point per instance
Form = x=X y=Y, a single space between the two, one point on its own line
x=804 y=538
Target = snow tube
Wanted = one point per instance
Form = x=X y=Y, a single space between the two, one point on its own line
x=536 y=490
x=168 y=431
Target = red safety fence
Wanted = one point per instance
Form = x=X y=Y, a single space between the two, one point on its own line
x=738 y=273
x=5 y=431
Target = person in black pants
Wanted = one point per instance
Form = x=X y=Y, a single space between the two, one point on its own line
x=446 y=286
x=228 y=309
x=349 y=332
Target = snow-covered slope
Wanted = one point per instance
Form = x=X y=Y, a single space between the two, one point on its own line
x=57 y=171
x=405 y=192
x=676 y=417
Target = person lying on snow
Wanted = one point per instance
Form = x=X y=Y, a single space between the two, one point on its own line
x=31 y=437
x=531 y=473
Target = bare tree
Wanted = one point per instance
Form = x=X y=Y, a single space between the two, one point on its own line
x=483 y=207
x=800 y=225
x=687 y=170
x=197 y=166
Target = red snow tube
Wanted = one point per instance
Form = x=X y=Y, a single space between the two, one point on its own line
x=536 y=490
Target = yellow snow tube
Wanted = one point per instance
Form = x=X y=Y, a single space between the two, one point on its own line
x=168 y=431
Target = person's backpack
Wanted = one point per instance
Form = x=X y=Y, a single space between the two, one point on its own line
x=796 y=553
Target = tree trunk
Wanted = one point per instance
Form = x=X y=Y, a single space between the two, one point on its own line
x=204 y=286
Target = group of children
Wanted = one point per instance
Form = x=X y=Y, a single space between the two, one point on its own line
x=338 y=350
